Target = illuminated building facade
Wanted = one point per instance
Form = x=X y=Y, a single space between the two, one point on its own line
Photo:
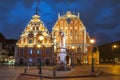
x=78 y=44
x=34 y=44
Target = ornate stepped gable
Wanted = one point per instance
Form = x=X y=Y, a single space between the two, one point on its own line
x=73 y=28
x=32 y=32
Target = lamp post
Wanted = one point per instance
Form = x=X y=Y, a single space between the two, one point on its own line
x=92 y=41
x=113 y=47
x=40 y=61
x=72 y=60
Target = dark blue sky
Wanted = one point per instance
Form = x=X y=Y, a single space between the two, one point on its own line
x=101 y=17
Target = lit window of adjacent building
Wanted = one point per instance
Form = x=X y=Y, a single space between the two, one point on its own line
x=30 y=51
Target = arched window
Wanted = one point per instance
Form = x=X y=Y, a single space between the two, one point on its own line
x=37 y=28
x=30 y=50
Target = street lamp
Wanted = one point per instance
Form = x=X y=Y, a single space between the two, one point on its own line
x=72 y=56
x=40 y=61
x=92 y=41
x=114 y=47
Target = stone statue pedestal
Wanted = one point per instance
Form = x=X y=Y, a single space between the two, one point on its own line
x=61 y=53
x=61 y=60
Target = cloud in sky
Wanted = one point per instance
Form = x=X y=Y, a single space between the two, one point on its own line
x=100 y=17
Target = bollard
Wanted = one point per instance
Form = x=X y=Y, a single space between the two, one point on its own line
x=54 y=73
x=25 y=70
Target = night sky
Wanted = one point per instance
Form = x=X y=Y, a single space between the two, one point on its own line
x=101 y=17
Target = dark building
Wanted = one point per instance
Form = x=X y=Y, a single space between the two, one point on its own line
x=110 y=53
x=6 y=48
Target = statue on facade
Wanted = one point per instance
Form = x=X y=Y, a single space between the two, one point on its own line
x=62 y=38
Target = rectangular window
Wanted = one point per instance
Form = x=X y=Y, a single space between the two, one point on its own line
x=47 y=50
x=30 y=60
x=39 y=51
x=30 y=51
x=21 y=50
x=30 y=41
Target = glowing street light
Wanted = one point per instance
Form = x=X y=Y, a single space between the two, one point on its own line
x=114 y=47
x=73 y=47
x=92 y=41
x=41 y=38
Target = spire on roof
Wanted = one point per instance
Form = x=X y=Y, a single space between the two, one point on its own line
x=36 y=10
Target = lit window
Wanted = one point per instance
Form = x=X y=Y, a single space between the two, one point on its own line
x=39 y=51
x=30 y=51
x=30 y=60
x=30 y=41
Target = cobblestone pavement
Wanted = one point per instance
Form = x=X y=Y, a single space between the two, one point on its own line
x=109 y=72
x=108 y=77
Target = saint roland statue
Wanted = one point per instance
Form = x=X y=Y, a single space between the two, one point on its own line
x=62 y=52
x=62 y=38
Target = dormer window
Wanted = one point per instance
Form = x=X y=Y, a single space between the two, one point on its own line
x=33 y=27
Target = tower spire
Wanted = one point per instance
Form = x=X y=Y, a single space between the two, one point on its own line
x=36 y=10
